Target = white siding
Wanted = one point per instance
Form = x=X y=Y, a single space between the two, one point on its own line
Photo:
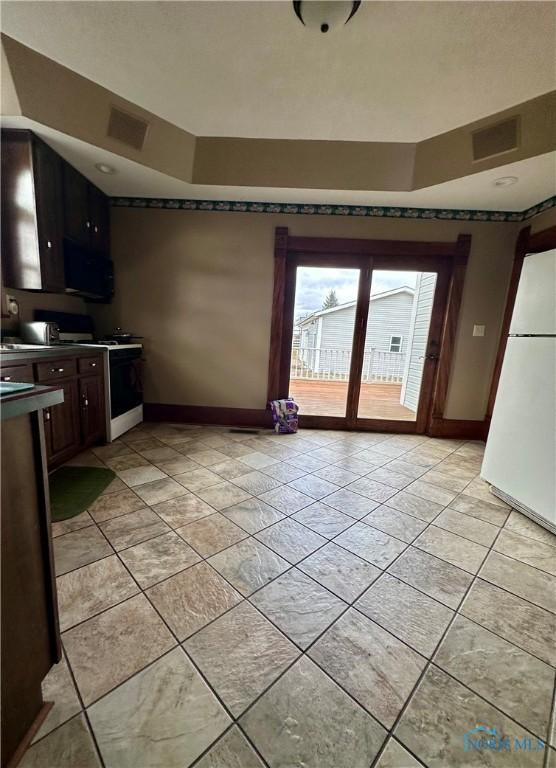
x=388 y=316
x=424 y=297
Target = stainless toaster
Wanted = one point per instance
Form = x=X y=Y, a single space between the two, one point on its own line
x=40 y=332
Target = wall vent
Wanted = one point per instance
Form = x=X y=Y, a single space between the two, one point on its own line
x=496 y=139
x=127 y=128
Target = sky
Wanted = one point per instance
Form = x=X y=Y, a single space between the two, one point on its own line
x=314 y=283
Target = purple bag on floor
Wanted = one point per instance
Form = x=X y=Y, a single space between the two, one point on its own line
x=284 y=416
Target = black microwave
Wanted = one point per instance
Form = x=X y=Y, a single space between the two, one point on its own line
x=87 y=274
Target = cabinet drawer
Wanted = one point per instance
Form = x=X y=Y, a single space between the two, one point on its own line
x=89 y=364
x=56 y=369
x=19 y=373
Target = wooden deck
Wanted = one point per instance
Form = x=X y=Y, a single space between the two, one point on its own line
x=328 y=398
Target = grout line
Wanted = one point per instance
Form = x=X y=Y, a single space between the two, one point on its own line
x=551 y=732
x=348 y=605
x=82 y=711
x=421 y=678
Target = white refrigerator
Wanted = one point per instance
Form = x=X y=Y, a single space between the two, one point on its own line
x=520 y=455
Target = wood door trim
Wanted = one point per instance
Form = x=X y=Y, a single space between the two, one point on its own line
x=460 y=258
x=541 y=241
x=525 y=243
x=341 y=246
x=277 y=322
x=519 y=255
x=358 y=344
x=290 y=252
x=434 y=347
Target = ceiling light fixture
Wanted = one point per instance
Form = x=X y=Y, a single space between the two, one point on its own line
x=324 y=14
x=104 y=168
x=505 y=181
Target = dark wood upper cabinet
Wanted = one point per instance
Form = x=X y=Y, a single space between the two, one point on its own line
x=100 y=221
x=32 y=246
x=86 y=213
x=77 y=221
x=55 y=222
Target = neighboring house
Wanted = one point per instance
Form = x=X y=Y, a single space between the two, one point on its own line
x=418 y=335
x=325 y=339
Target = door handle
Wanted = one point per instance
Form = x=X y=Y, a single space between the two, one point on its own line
x=432 y=356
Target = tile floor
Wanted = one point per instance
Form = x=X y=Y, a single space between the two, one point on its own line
x=319 y=600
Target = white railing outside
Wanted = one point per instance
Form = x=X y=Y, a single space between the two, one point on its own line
x=334 y=364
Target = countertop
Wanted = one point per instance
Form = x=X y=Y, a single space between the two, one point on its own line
x=30 y=400
x=61 y=350
x=20 y=355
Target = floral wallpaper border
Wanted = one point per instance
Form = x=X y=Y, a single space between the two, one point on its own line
x=319 y=209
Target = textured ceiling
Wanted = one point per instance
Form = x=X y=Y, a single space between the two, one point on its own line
x=537 y=182
x=399 y=71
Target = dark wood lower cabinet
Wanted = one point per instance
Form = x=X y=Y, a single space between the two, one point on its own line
x=19 y=373
x=91 y=401
x=30 y=637
x=78 y=422
x=62 y=425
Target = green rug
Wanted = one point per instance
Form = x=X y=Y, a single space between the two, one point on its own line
x=73 y=489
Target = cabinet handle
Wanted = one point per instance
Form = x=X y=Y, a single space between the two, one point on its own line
x=85 y=402
x=47 y=415
x=93 y=365
x=56 y=370
x=6 y=378
x=96 y=229
x=48 y=244
x=88 y=224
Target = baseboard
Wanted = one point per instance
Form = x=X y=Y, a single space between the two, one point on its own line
x=260 y=417
x=459 y=429
x=205 y=414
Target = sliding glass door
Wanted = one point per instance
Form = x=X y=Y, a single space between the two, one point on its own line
x=363 y=338
x=322 y=339
x=396 y=342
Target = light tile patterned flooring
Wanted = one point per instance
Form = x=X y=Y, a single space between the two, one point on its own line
x=325 y=600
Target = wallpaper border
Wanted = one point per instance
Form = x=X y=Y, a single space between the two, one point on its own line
x=306 y=209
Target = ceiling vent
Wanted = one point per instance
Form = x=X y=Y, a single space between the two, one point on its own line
x=127 y=128
x=496 y=139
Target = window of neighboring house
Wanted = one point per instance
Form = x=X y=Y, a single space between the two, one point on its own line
x=396 y=343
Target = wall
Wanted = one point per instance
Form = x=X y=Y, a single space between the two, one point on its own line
x=198 y=286
x=29 y=301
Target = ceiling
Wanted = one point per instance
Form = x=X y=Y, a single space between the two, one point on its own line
x=399 y=71
x=537 y=182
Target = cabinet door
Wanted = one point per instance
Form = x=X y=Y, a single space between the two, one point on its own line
x=91 y=401
x=100 y=221
x=48 y=196
x=77 y=222
x=62 y=425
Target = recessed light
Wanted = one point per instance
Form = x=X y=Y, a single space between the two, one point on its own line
x=104 y=168
x=505 y=181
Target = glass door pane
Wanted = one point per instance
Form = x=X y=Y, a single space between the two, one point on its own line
x=396 y=340
x=324 y=320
